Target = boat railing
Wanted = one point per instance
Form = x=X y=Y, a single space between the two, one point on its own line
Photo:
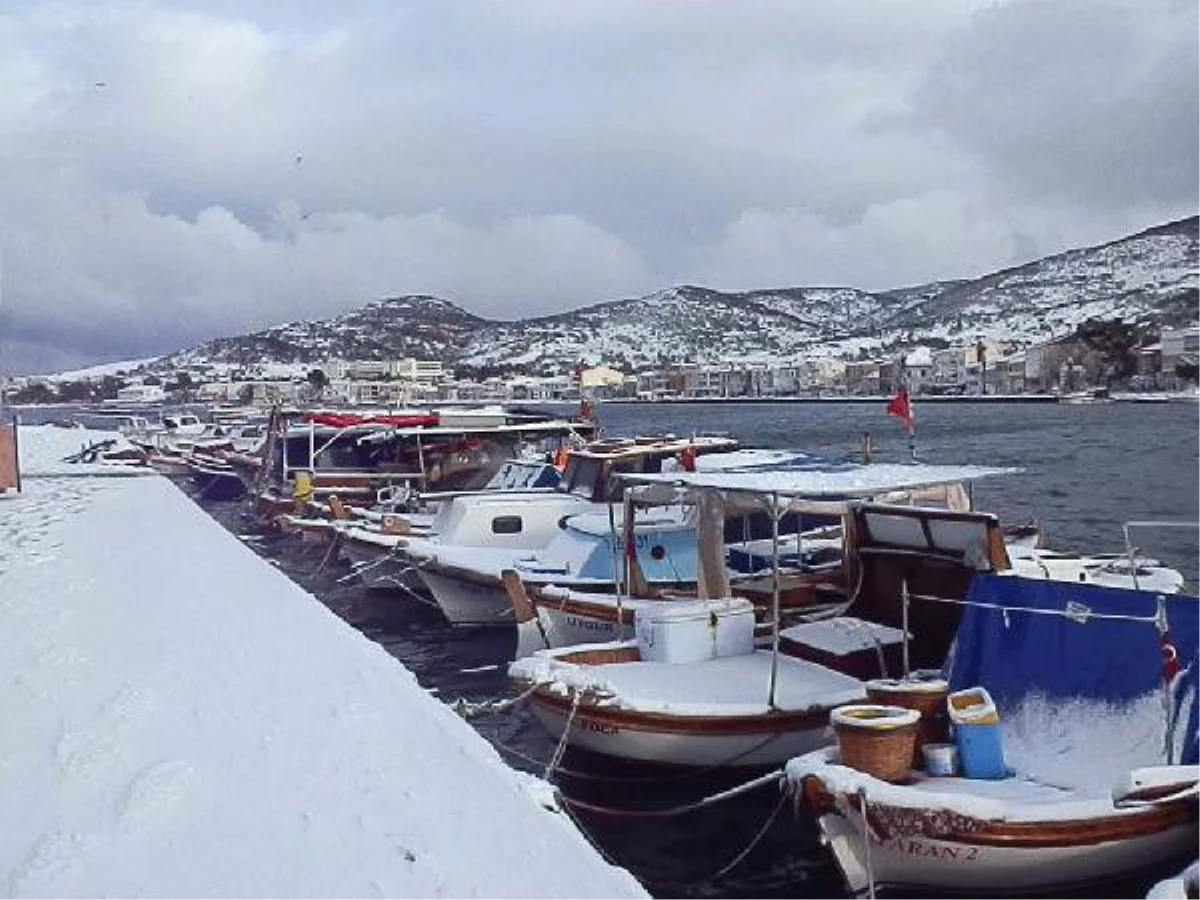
x=1131 y=550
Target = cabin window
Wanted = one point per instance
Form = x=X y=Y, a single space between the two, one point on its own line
x=506 y=525
x=581 y=475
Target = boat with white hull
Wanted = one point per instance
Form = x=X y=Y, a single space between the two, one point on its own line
x=665 y=699
x=565 y=534
x=694 y=688
x=1090 y=768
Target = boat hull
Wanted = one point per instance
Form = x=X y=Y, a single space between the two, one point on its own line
x=565 y=623
x=469 y=602
x=1012 y=858
x=748 y=741
x=213 y=484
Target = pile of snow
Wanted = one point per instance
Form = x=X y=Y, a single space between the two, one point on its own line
x=180 y=719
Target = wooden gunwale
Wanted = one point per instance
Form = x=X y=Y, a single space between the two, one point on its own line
x=597 y=611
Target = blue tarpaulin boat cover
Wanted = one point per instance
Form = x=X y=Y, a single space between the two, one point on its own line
x=1015 y=652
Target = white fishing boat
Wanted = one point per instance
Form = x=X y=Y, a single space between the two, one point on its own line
x=690 y=690
x=805 y=569
x=569 y=533
x=1108 y=569
x=1084 y=768
x=693 y=687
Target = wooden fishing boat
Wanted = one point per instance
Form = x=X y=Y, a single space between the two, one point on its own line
x=664 y=699
x=364 y=458
x=1030 y=837
x=1095 y=733
x=807 y=578
x=694 y=688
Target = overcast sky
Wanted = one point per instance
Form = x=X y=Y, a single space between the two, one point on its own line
x=175 y=171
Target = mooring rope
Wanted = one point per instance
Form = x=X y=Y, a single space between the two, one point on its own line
x=556 y=757
x=467 y=708
x=704 y=802
x=334 y=545
x=644 y=874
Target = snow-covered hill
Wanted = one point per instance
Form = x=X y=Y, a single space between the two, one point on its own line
x=1150 y=277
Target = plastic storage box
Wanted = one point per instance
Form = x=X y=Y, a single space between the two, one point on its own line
x=683 y=631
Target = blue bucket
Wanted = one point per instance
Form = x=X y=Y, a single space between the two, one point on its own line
x=977 y=733
x=980 y=752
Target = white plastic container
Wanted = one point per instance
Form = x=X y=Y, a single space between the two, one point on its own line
x=683 y=631
x=941 y=760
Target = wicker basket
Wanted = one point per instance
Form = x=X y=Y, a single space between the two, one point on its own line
x=876 y=739
x=924 y=693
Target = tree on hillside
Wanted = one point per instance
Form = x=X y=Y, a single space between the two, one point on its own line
x=183 y=385
x=1187 y=370
x=75 y=392
x=34 y=393
x=1116 y=343
x=318 y=381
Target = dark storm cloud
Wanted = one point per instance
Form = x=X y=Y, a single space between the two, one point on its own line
x=179 y=170
x=1086 y=102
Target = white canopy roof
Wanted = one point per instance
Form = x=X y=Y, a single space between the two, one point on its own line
x=811 y=482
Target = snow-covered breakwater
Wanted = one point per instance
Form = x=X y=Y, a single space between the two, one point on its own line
x=181 y=719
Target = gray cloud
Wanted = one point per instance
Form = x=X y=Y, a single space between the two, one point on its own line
x=175 y=171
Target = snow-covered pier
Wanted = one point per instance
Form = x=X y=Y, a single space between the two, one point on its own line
x=181 y=719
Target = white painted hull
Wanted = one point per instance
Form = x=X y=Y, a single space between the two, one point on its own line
x=469 y=602
x=643 y=743
x=563 y=628
x=922 y=862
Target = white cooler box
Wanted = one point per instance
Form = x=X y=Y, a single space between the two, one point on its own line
x=683 y=631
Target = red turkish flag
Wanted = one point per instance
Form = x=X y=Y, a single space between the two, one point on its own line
x=900 y=407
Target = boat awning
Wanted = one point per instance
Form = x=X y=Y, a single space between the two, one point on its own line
x=811 y=484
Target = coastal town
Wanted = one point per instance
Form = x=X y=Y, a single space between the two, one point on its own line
x=1079 y=364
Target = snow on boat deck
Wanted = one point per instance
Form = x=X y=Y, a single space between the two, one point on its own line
x=730 y=686
x=183 y=720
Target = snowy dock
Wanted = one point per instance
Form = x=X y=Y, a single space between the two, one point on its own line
x=181 y=719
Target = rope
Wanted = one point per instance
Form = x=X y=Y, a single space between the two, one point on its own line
x=334 y=545
x=866 y=832
x=726 y=869
x=1063 y=613
x=645 y=875
x=466 y=708
x=556 y=757
x=753 y=784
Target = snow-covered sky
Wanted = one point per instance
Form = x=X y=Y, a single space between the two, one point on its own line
x=176 y=170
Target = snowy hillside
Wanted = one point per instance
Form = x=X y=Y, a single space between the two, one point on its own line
x=421 y=327
x=1149 y=277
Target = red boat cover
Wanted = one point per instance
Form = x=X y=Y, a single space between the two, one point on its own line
x=336 y=420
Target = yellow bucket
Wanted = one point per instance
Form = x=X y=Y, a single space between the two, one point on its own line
x=302 y=487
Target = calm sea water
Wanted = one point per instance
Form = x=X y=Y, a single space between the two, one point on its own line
x=1084 y=470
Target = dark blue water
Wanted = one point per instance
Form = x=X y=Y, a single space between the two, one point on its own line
x=1084 y=471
